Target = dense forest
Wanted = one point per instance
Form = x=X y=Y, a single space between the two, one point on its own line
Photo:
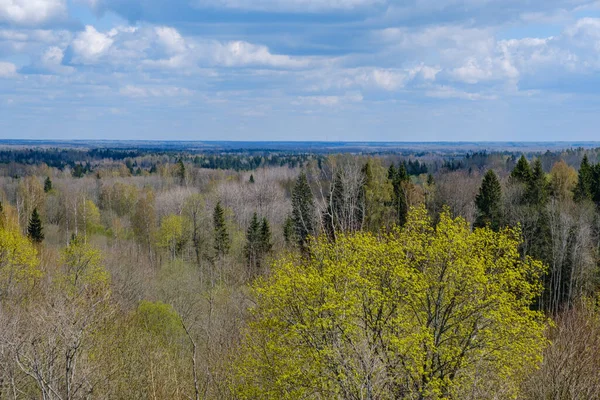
x=151 y=274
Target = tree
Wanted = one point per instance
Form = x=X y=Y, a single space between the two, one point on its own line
x=35 y=230
x=258 y=243
x=221 y=242
x=289 y=231
x=252 y=248
x=303 y=211
x=172 y=234
x=400 y=179
x=536 y=193
x=522 y=171
x=489 y=202
x=421 y=313
x=585 y=181
x=47 y=185
x=181 y=172
x=251 y=180
x=378 y=195
x=265 y=237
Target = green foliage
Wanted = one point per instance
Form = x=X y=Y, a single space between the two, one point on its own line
x=19 y=265
x=47 y=185
x=522 y=171
x=160 y=320
x=221 y=239
x=303 y=211
x=35 y=230
x=489 y=202
x=399 y=178
x=422 y=313
x=172 y=234
x=585 y=182
x=83 y=275
x=181 y=172
x=378 y=195
x=537 y=187
x=251 y=180
x=258 y=243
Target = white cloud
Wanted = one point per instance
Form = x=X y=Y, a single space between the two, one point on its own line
x=31 y=12
x=7 y=70
x=90 y=45
x=170 y=39
x=447 y=92
x=291 y=5
x=240 y=53
x=165 y=91
x=329 y=101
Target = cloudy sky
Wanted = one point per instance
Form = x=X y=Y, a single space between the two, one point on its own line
x=388 y=70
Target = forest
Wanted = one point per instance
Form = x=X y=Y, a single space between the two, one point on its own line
x=257 y=274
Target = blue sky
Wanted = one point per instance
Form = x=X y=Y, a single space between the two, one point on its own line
x=413 y=70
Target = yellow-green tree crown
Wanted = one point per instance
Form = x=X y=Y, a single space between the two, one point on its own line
x=422 y=313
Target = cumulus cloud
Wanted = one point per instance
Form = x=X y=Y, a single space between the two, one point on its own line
x=31 y=12
x=7 y=70
x=90 y=45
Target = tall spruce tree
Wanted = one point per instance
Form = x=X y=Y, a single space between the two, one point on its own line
x=399 y=178
x=303 y=211
x=222 y=241
x=537 y=188
x=585 y=181
x=489 y=202
x=252 y=249
x=47 y=185
x=522 y=171
x=181 y=172
x=265 y=237
x=35 y=230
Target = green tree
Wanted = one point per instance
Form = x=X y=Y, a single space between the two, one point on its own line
x=537 y=188
x=378 y=195
x=585 y=181
x=35 y=230
x=289 y=234
x=258 y=243
x=47 y=185
x=221 y=238
x=489 y=202
x=252 y=249
x=265 y=237
x=181 y=172
x=399 y=178
x=251 y=180
x=422 y=313
x=522 y=171
x=303 y=211
x=172 y=234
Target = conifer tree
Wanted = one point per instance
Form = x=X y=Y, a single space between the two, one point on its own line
x=252 y=249
x=522 y=171
x=288 y=230
x=488 y=202
x=181 y=171
x=585 y=181
x=399 y=178
x=303 y=211
x=221 y=236
x=35 y=230
x=537 y=188
x=251 y=180
x=47 y=185
x=265 y=237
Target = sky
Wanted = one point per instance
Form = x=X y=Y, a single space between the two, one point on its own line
x=332 y=70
